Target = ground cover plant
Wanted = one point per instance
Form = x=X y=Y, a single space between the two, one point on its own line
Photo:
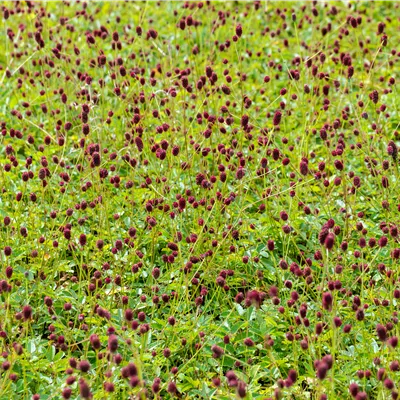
x=199 y=200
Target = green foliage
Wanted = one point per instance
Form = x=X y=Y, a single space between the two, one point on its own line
x=227 y=235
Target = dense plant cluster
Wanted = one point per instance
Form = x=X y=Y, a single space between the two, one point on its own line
x=199 y=200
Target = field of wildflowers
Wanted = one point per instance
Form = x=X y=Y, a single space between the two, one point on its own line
x=199 y=200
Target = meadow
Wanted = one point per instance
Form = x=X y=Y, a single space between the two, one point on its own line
x=198 y=200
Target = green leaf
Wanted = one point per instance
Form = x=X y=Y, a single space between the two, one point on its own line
x=50 y=353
